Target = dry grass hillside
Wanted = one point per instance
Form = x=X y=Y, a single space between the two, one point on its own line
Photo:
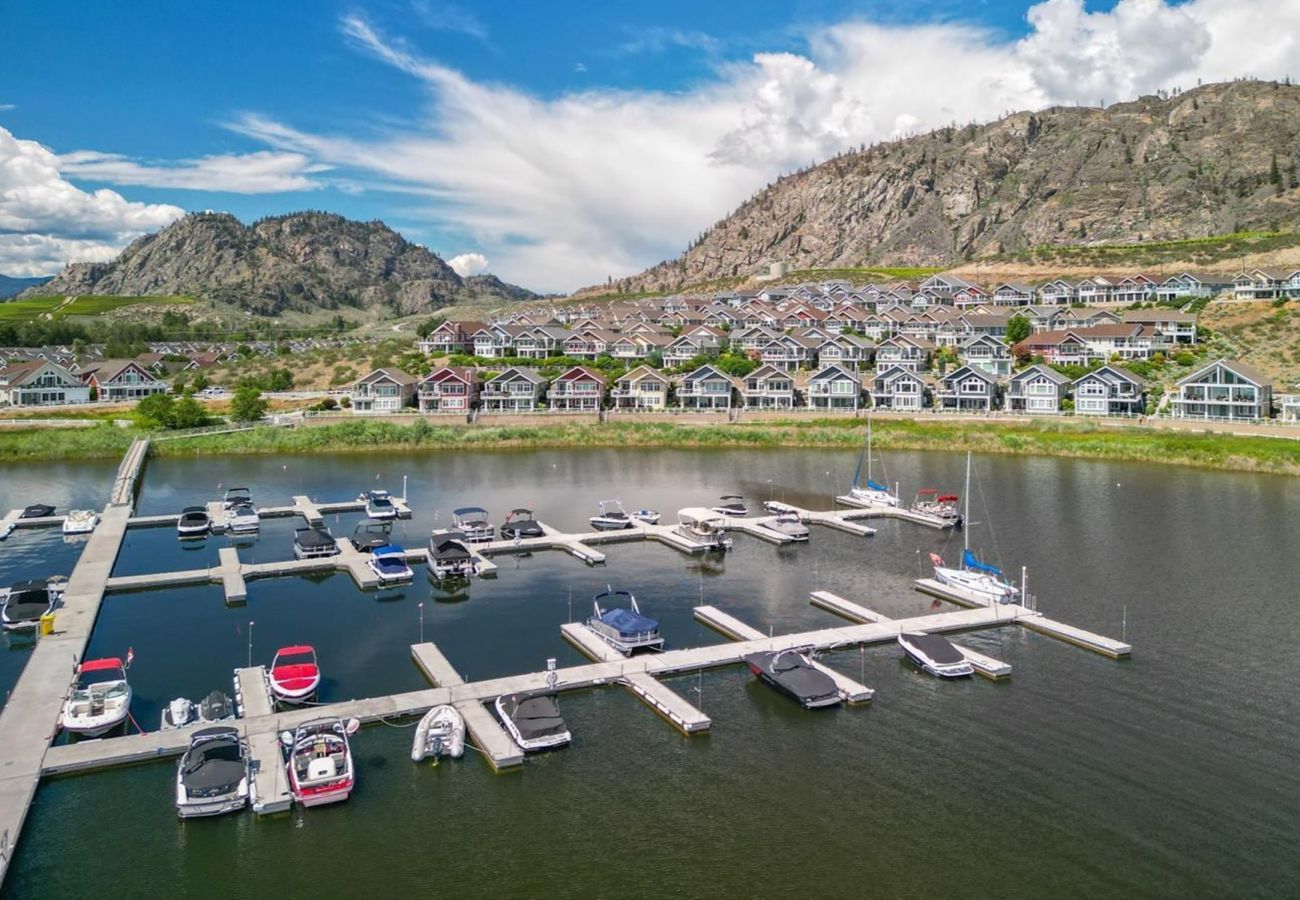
x=1264 y=334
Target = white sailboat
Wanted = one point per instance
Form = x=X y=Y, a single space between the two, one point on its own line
x=984 y=581
x=872 y=492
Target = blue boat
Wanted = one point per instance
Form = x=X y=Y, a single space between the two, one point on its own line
x=389 y=564
x=617 y=621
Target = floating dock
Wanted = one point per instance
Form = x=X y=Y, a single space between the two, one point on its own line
x=486 y=732
x=879 y=511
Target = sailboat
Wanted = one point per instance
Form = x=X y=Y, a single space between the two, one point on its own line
x=985 y=581
x=872 y=492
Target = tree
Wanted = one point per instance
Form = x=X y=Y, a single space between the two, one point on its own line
x=155 y=411
x=280 y=380
x=189 y=413
x=200 y=382
x=1018 y=328
x=248 y=404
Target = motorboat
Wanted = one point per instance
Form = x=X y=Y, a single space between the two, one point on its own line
x=314 y=543
x=440 y=733
x=212 y=777
x=216 y=707
x=703 y=526
x=24 y=602
x=935 y=654
x=178 y=713
x=786 y=523
x=100 y=699
x=37 y=511
x=611 y=516
x=80 y=521
x=389 y=564
x=473 y=522
x=235 y=496
x=379 y=504
x=871 y=491
x=6 y=529
x=646 y=516
x=294 y=675
x=616 y=619
x=193 y=522
x=521 y=524
x=732 y=506
x=450 y=556
x=793 y=674
x=986 y=582
x=533 y=720
x=242 y=518
x=372 y=533
x=320 y=760
x=944 y=509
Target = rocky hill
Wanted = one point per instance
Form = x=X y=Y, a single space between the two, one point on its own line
x=1214 y=160
x=303 y=262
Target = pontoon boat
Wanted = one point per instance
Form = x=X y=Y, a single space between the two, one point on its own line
x=473 y=522
x=617 y=621
x=320 y=760
x=440 y=733
x=793 y=674
x=213 y=776
x=520 y=523
x=314 y=543
x=935 y=654
x=449 y=556
x=371 y=533
x=534 y=721
x=703 y=526
x=944 y=509
x=294 y=675
x=100 y=700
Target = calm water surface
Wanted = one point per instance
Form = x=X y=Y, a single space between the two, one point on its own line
x=1173 y=774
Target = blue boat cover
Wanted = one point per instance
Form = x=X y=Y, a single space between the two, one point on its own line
x=970 y=561
x=876 y=487
x=627 y=622
x=387 y=550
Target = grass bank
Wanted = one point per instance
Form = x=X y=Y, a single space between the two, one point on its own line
x=1066 y=439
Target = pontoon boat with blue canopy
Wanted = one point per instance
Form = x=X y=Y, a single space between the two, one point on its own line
x=622 y=626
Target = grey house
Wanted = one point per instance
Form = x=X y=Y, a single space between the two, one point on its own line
x=1038 y=389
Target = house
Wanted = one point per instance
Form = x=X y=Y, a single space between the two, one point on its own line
x=515 y=390
x=912 y=354
x=768 y=387
x=642 y=388
x=1080 y=346
x=705 y=388
x=967 y=389
x=898 y=388
x=1096 y=289
x=1057 y=293
x=115 y=380
x=541 y=342
x=1225 y=389
x=580 y=389
x=834 y=387
x=40 y=383
x=1109 y=391
x=846 y=350
x=383 y=391
x=1135 y=289
x=986 y=353
x=1168 y=326
x=1013 y=293
x=1038 y=389
x=789 y=352
x=1192 y=285
x=450 y=337
x=1259 y=284
x=1290 y=408
x=448 y=389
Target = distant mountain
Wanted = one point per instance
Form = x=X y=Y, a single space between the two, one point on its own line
x=1213 y=160
x=303 y=262
x=12 y=287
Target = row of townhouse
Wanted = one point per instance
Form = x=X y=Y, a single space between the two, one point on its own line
x=1267 y=284
x=44 y=383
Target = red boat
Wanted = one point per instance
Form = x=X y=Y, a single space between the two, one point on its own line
x=320 y=760
x=294 y=674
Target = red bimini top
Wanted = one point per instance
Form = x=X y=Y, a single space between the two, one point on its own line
x=98 y=665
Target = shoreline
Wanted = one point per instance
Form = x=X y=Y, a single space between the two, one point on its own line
x=1063 y=438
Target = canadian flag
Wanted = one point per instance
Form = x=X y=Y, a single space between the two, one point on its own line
x=936 y=559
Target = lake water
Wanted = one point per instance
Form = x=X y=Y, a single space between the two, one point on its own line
x=1172 y=774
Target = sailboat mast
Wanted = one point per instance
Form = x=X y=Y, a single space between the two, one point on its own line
x=868 y=445
x=965 y=522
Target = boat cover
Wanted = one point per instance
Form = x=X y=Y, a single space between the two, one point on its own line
x=450 y=549
x=937 y=647
x=970 y=561
x=628 y=623
x=37 y=511
x=313 y=538
x=215 y=764
x=794 y=674
x=535 y=717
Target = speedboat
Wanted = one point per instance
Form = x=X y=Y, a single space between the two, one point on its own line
x=212 y=776
x=611 y=516
x=235 y=496
x=793 y=674
x=703 y=526
x=616 y=619
x=320 y=760
x=935 y=654
x=80 y=521
x=24 y=602
x=472 y=521
x=294 y=675
x=521 y=524
x=242 y=518
x=379 y=504
x=732 y=505
x=178 y=713
x=450 y=556
x=986 y=582
x=389 y=564
x=194 y=522
x=646 y=516
x=100 y=699
x=534 y=721
x=871 y=492
x=216 y=707
x=371 y=533
x=314 y=543
x=788 y=524
x=37 y=511
x=440 y=733
x=943 y=508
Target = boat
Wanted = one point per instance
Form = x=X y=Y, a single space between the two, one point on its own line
x=787 y=523
x=473 y=522
x=235 y=496
x=379 y=504
x=983 y=580
x=611 y=516
x=37 y=511
x=935 y=654
x=100 y=699
x=24 y=602
x=320 y=760
x=533 y=720
x=294 y=675
x=212 y=777
x=793 y=674
x=242 y=518
x=521 y=524
x=6 y=528
x=944 y=509
x=193 y=522
x=703 y=526
x=616 y=619
x=732 y=505
x=314 y=543
x=389 y=564
x=646 y=516
x=216 y=707
x=450 y=556
x=371 y=533
x=80 y=521
x=178 y=713
x=440 y=733
x=871 y=492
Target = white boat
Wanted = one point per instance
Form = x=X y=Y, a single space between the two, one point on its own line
x=646 y=516
x=389 y=564
x=617 y=620
x=611 y=516
x=732 y=505
x=235 y=496
x=314 y=543
x=24 y=602
x=871 y=491
x=379 y=504
x=936 y=655
x=450 y=556
x=80 y=521
x=474 y=523
x=242 y=518
x=786 y=523
x=100 y=699
x=703 y=526
x=986 y=582
x=178 y=713
x=294 y=675
x=193 y=522
x=440 y=733
x=320 y=760
x=534 y=721
x=212 y=776
x=6 y=529
x=942 y=509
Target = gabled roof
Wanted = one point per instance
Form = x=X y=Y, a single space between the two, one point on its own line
x=395 y=375
x=706 y=371
x=582 y=372
x=834 y=371
x=450 y=373
x=1239 y=368
x=642 y=373
x=893 y=373
x=963 y=372
x=1041 y=370
x=768 y=370
x=1112 y=373
x=108 y=369
x=518 y=372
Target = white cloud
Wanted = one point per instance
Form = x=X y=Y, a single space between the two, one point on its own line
x=263 y=172
x=46 y=221
x=657 y=39
x=450 y=17
x=5 y=107
x=466 y=264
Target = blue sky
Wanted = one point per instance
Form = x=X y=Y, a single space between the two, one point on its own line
x=554 y=144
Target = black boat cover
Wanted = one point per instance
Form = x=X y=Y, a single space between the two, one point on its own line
x=216 y=706
x=449 y=548
x=215 y=762
x=794 y=674
x=535 y=717
x=313 y=538
x=938 y=648
x=37 y=511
